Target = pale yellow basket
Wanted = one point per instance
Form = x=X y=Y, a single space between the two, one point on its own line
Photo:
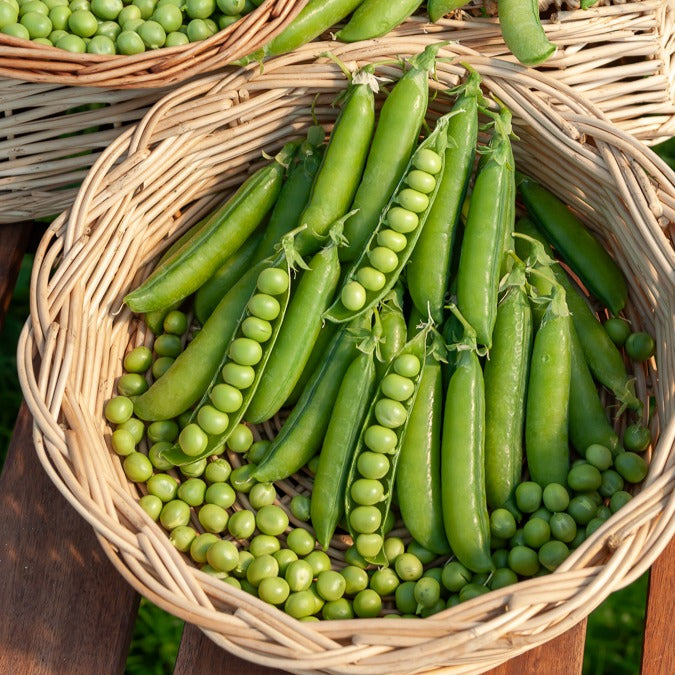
x=158 y=178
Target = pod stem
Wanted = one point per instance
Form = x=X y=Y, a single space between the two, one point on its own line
x=426 y=60
x=371 y=343
x=469 y=340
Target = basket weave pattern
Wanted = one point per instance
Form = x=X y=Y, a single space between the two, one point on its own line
x=157 y=179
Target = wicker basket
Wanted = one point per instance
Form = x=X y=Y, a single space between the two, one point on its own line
x=158 y=178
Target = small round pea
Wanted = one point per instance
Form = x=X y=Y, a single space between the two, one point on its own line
x=192 y=491
x=174 y=513
x=366 y=491
x=169 y=17
x=213 y=518
x=263 y=567
x=555 y=497
x=337 y=609
x=192 y=440
x=212 y=421
x=300 y=604
x=241 y=438
x=427 y=160
x=393 y=547
x=455 y=576
x=223 y=555
x=182 y=537
x=258 y=450
x=402 y=220
x=599 y=456
x=156 y=455
x=365 y=519
x=123 y=442
x=528 y=496
x=318 y=560
x=161 y=365
x=631 y=466
x=636 y=438
x=19 y=30
x=262 y=494
x=593 y=525
x=118 y=409
x=220 y=494
x=299 y=575
x=356 y=579
x=353 y=296
x=135 y=427
x=137 y=467
x=194 y=469
x=611 y=482
x=384 y=581
x=373 y=465
x=300 y=541
x=330 y=585
x=407 y=365
x=500 y=558
x=274 y=590
x=300 y=507
x=618 y=330
x=502 y=523
x=256 y=329
x=226 y=398
x=408 y=567
x=640 y=346
x=245 y=352
x=127 y=13
x=163 y=485
x=584 y=477
x=167 y=344
x=427 y=592
x=163 y=430
x=152 y=505
x=176 y=39
x=200 y=546
x=272 y=519
x=393 y=240
x=131 y=384
x=370 y=278
x=284 y=556
x=369 y=545
x=241 y=524
x=175 y=322
x=536 y=532
x=380 y=439
x=367 y=604
x=404 y=597
x=217 y=470
x=420 y=181
x=582 y=508
x=273 y=281
x=397 y=387
x=502 y=578
x=524 y=561
x=412 y=200
x=383 y=259
x=264 y=306
x=619 y=499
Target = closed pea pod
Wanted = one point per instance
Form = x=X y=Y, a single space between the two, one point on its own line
x=223 y=233
x=482 y=249
x=547 y=412
x=506 y=373
x=395 y=137
x=465 y=513
x=301 y=435
x=373 y=18
x=428 y=273
x=346 y=418
x=418 y=479
x=522 y=31
x=338 y=176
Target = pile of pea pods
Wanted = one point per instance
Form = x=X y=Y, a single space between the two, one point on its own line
x=374 y=388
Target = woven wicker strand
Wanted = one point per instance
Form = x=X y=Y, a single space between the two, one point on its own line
x=159 y=177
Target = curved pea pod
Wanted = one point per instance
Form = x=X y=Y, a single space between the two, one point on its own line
x=338 y=177
x=482 y=252
x=374 y=18
x=375 y=272
x=353 y=398
x=189 y=376
x=588 y=421
x=394 y=330
x=465 y=514
x=215 y=439
x=522 y=31
x=428 y=273
x=505 y=376
x=214 y=289
x=396 y=135
x=301 y=435
x=225 y=231
x=384 y=431
x=418 y=476
x=316 y=17
x=577 y=246
x=602 y=355
x=439 y=8
x=548 y=392
x=298 y=334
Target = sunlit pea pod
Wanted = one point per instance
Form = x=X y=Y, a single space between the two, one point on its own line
x=383 y=431
x=406 y=218
x=250 y=355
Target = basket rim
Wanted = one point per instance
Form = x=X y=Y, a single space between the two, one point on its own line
x=41 y=334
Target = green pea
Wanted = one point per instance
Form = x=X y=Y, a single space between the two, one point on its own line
x=163 y=485
x=393 y=547
x=640 y=346
x=337 y=610
x=220 y=494
x=264 y=544
x=392 y=240
x=163 y=430
x=424 y=554
x=258 y=450
x=471 y=591
x=408 y=567
x=181 y=537
x=636 y=438
x=365 y=519
x=502 y=523
x=299 y=575
x=300 y=507
x=593 y=525
x=127 y=13
x=213 y=518
x=192 y=491
x=500 y=558
x=192 y=440
x=264 y=306
x=404 y=597
x=412 y=200
x=274 y=590
x=631 y=466
x=619 y=499
x=284 y=556
x=524 y=561
x=137 y=467
x=223 y=555
x=156 y=456
x=384 y=581
x=241 y=524
x=212 y=421
x=618 y=330
x=217 y=470
x=174 y=513
x=584 y=478
x=407 y=365
x=123 y=442
x=272 y=519
x=256 y=329
x=175 y=322
x=370 y=278
x=599 y=456
x=152 y=505
x=353 y=557
x=367 y=544
x=330 y=585
x=528 y=496
x=194 y=469
x=245 y=352
x=611 y=482
x=373 y=465
x=356 y=579
x=38 y=24
x=8 y=14
x=402 y=220
x=135 y=427
x=455 y=576
x=262 y=494
x=163 y=363
x=118 y=409
x=176 y=39
x=240 y=439
x=503 y=577
x=300 y=541
x=169 y=17
x=582 y=508
x=536 y=532
x=353 y=296
x=273 y=281
x=397 y=387
x=390 y=414
x=231 y=6
x=380 y=439
x=145 y=6
x=200 y=546
x=427 y=592
x=245 y=559
x=383 y=259
x=367 y=604
x=167 y=344
x=300 y=604
x=263 y=567
x=20 y=31
x=428 y=160
x=366 y=491
x=226 y=398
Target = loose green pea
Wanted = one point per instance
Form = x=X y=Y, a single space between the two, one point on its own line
x=284 y=556
x=582 y=508
x=182 y=537
x=528 y=496
x=241 y=524
x=631 y=466
x=274 y=590
x=257 y=451
x=500 y=558
x=242 y=479
x=402 y=220
x=408 y=567
x=599 y=456
x=536 y=532
x=118 y=409
x=137 y=467
x=300 y=541
x=593 y=525
x=213 y=518
x=455 y=576
x=272 y=519
x=299 y=575
x=427 y=592
x=263 y=567
x=471 y=591
x=300 y=507
x=503 y=577
x=264 y=544
x=367 y=604
x=163 y=485
x=393 y=547
x=524 y=561
x=619 y=499
x=640 y=346
x=167 y=344
x=330 y=585
x=156 y=456
x=163 y=430
x=123 y=442
x=174 y=513
x=220 y=494
x=369 y=545
x=356 y=579
x=245 y=559
x=223 y=555
x=161 y=364
x=192 y=440
x=300 y=604
x=636 y=438
x=425 y=555
x=192 y=491
x=262 y=494
x=618 y=330
x=175 y=322
x=152 y=505
x=611 y=482
x=584 y=478
x=212 y=421
x=217 y=470
x=337 y=610
x=384 y=581
x=132 y=384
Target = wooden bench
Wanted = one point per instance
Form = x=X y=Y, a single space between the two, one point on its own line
x=67 y=610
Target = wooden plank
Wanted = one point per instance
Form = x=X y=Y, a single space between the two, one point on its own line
x=658 y=653
x=65 y=609
x=13 y=242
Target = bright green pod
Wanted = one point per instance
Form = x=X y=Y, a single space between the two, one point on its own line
x=522 y=31
x=439 y=8
x=374 y=18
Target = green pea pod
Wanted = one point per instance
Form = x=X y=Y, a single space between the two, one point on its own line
x=375 y=272
x=330 y=480
x=585 y=255
x=303 y=431
x=316 y=17
x=522 y=31
x=374 y=18
x=338 y=176
x=428 y=273
x=506 y=373
x=439 y=8
x=298 y=333
x=394 y=330
x=214 y=289
x=189 y=376
x=588 y=421
x=369 y=543
x=548 y=393
x=226 y=230
x=602 y=355
x=482 y=251
x=418 y=476
x=215 y=440
x=465 y=514
x=396 y=134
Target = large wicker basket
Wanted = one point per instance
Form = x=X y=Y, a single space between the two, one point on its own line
x=158 y=178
